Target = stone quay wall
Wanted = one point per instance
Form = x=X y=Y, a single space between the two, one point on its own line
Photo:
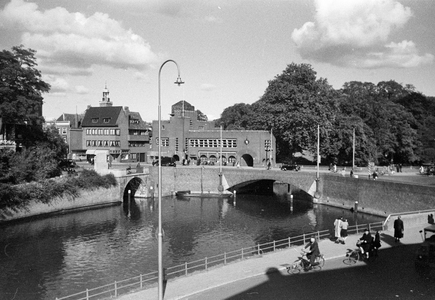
x=375 y=197
x=87 y=200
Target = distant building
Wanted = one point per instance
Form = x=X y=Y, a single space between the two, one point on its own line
x=106 y=127
x=69 y=127
x=188 y=137
x=116 y=129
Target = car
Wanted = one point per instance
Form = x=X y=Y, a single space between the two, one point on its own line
x=425 y=258
x=290 y=167
x=166 y=162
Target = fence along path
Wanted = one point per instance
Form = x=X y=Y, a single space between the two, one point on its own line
x=147 y=280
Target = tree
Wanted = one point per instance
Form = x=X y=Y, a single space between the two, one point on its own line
x=390 y=129
x=236 y=117
x=292 y=105
x=21 y=90
x=33 y=163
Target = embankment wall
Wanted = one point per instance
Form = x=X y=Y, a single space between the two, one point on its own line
x=375 y=197
x=87 y=200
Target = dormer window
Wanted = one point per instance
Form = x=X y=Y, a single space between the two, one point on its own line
x=106 y=120
x=94 y=120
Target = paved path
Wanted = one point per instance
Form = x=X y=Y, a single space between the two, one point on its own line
x=249 y=278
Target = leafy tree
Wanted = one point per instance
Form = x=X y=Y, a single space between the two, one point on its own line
x=21 y=91
x=390 y=127
x=201 y=116
x=236 y=117
x=292 y=105
x=34 y=163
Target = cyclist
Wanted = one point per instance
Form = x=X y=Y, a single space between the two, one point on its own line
x=312 y=252
x=365 y=243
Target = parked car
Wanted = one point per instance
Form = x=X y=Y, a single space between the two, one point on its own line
x=290 y=167
x=166 y=162
x=425 y=258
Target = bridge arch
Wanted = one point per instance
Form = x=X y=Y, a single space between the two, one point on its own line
x=132 y=185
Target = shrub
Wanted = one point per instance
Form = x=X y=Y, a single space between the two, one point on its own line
x=18 y=196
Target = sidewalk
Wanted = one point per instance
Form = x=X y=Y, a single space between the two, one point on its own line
x=256 y=266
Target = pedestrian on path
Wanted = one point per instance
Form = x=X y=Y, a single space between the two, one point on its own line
x=398 y=229
x=337 y=228
x=343 y=231
x=376 y=243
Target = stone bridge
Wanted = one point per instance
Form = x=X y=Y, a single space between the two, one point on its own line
x=370 y=196
x=206 y=179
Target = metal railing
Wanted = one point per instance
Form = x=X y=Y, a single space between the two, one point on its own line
x=146 y=280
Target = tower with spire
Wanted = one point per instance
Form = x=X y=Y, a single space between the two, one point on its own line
x=105 y=101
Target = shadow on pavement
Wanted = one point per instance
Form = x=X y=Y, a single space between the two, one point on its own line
x=392 y=275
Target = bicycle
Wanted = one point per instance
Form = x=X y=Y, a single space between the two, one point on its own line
x=355 y=255
x=302 y=263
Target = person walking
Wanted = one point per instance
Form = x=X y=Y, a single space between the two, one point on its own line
x=376 y=243
x=343 y=232
x=337 y=229
x=398 y=229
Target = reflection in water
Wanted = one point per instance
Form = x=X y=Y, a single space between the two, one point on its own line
x=65 y=254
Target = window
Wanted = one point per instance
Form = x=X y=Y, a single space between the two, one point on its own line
x=212 y=143
x=94 y=120
x=165 y=142
x=64 y=130
x=106 y=120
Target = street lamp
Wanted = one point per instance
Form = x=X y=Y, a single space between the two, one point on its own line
x=160 y=235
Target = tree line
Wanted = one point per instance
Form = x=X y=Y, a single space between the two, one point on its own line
x=393 y=123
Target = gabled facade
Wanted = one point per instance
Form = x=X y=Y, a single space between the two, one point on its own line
x=114 y=128
x=106 y=127
x=188 y=137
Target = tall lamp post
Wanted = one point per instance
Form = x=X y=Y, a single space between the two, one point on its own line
x=160 y=234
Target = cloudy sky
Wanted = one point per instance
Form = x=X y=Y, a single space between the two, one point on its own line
x=227 y=50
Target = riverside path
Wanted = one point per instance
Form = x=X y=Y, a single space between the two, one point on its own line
x=390 y=276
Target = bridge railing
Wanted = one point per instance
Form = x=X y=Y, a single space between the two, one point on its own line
x=147 y=280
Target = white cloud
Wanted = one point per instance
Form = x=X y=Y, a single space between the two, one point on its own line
x=82 y=90
x=356 y=33
x=58 y=85
x=207 y=87
x=72 y=42
x=213 y=19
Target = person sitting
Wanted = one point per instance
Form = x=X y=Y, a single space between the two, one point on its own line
x=312 y=252
x=365 y=243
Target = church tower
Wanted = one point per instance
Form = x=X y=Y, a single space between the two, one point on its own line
x=105 y=101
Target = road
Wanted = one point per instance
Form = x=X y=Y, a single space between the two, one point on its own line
x=390 y=276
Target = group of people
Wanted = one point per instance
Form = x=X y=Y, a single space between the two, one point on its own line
x=340 y=225
x=367 y=243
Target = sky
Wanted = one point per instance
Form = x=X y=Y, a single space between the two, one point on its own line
x=225 y=50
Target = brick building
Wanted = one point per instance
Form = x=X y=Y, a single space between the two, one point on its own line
x=113 y=128
x=188 y=136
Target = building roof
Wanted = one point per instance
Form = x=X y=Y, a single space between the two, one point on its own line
x=141 y=124
x=95 y=116
x=71 y=118
x=182 y=105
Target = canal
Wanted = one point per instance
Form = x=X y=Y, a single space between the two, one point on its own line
x=61 y=255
